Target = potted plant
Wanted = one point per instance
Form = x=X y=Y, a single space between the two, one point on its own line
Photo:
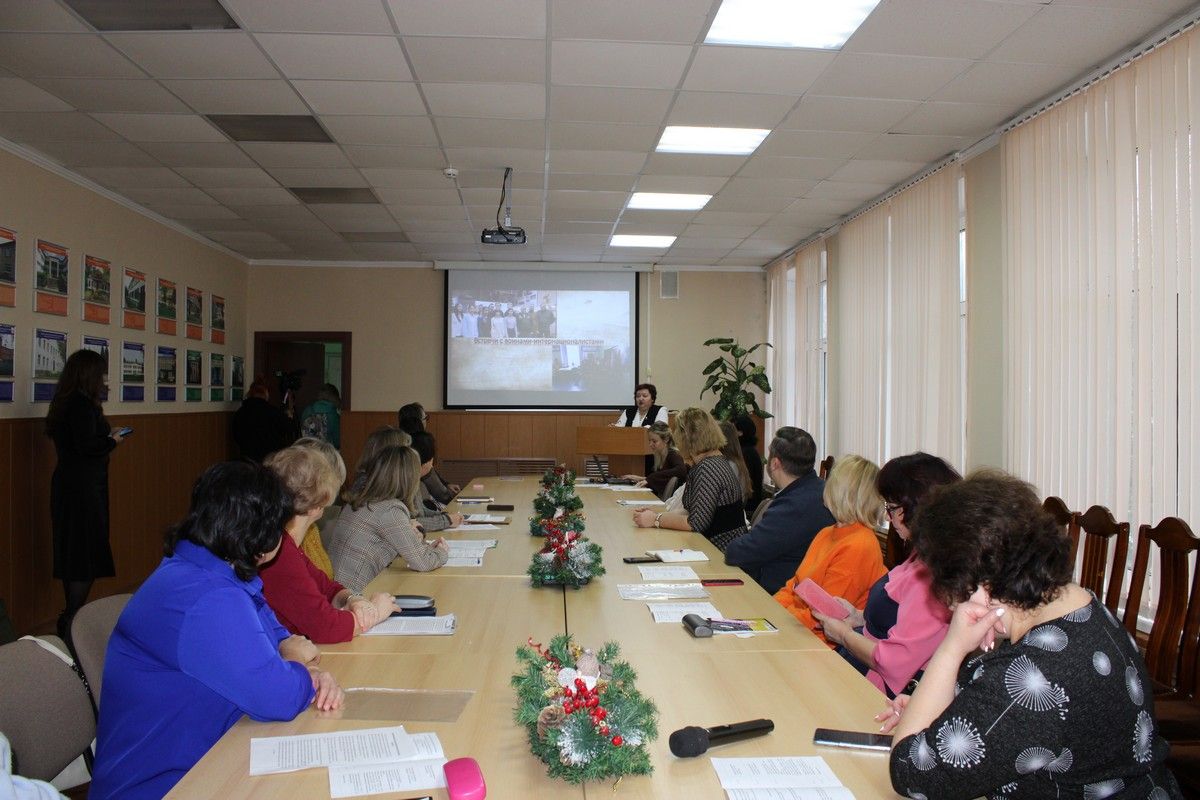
x=730 y=377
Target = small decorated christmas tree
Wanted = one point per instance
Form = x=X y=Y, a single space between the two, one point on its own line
x=557 y=501
x=566 y=559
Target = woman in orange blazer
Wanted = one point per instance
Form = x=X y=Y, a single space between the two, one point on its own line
x=844 y=559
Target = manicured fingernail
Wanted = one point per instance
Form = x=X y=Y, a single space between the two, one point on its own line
x=999 y=612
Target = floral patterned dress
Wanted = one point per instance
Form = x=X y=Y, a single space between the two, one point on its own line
x=1064 y=712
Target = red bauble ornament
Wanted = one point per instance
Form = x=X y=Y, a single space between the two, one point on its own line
x=617 y=741
x=593 y=701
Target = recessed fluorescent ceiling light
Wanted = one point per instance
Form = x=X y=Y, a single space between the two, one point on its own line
x=630 y=240
x=717 y=141
x=663 y=200
x=823 y=24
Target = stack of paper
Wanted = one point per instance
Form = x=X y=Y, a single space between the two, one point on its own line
x=675 y=612
x=415 y=626
x=664 y=573
x=661 y=591
x=619 y=488
x=468 y=552
x=639 y=502
x=669 y=556
x=480 y=518
x=789 y=778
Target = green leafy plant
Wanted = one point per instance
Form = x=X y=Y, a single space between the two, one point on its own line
x=730 y=378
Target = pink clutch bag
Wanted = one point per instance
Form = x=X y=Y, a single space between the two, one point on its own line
x=464 y=780
x=820 y=600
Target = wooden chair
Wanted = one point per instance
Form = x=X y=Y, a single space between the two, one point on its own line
x=824 y=468
x=1065 y=518
x=1097 y=527
x=1172 y=650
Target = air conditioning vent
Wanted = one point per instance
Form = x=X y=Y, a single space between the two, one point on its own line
x=668 y=285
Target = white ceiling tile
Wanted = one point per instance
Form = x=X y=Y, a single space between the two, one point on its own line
x=62 y=55
x=646 y=216
x=518 y=19
x=693 y=164
x=355 y=217
x=467 y=132
x=797 y=219
x=414 y=213
x=577 y=228
x=361 y=97
x=681 y=184
x=113 y=95
x=596 y=104
x=404 y=178
x=568 y=199
x=408 y=157
x=680 y=256
x=870 y=171
x=820 y=206
x=162 y=127
x=959 y=119
x=336 y=56
x=227 y=177
x=134 y=177
x=1076 y=36
x=912 y=147
x=461 y=235
x=447 y=196
x=497 y=158
x=458 y=226
x=254 y=197
x=613 y=162
x=784 y=167
x=1167 y=8
x=21 y=95
x=491 y=196
x=835 y=190
x=871 y=115
x=521 y=215
x=387 y=251
x=710 y=243
x=730 y=109
x=316 y=16
x=631 y=20
x=209 y=225
x=243 y=238
x=195 y=54
x=746 y=202
x=278 y=217
x=755 y=70
x=659 y=228
x=767 y=187
x=950 y=28
x=814 y=144
x=1003 y=83
x=238 y=97
x=329 y=178
x=576 y=241
x=592 y=183
x=732 y=217
x=736 y=261
x=477 y=60
x=46 y=16
x=198 y=154
x=504 y=100
x=737 y=232
x=296 y=154
x=581 y=214
x=194 y=212
x=64 y=126
x=178 y=195
x=601 y=136
x=416 y=131
x=627 y=64
x=892 y=77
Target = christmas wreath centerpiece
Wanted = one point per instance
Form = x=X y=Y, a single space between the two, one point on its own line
x=557 y=500
x=585 y=718
x=566 y=559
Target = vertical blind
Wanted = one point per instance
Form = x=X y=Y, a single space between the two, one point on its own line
x=795 y=334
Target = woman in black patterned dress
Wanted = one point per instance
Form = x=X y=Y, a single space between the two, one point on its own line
x=1036 y=691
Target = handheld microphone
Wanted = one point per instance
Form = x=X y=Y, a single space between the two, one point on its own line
x=693 y=741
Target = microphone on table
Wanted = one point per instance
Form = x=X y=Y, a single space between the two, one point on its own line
x=693 y=741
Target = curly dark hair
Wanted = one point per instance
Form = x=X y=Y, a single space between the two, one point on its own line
x=411 y=418
x=238 y=512
x=906 y=481
x=990 y=531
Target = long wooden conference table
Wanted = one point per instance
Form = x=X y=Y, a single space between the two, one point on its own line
x=458 y=686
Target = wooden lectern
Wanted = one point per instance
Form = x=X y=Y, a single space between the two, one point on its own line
x=626 y=448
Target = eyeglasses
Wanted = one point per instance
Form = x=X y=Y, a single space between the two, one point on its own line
x=892 y=508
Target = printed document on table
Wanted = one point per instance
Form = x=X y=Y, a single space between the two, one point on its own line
x=672 y=556
x=414 y=626
x=636 y=503
x=789 y=772
x=617 y=488
x=657 y=573
x=675 y=612
x=473 y=547
x=464 y=560
x=825 y=793
x=269 y=755
x=472 y=528
x=402 y=776
x=477 y=518
x=661 y=591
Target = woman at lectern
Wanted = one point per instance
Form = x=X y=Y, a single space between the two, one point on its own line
x=645 y=410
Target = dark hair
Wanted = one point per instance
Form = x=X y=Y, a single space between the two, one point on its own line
x=906 y=481
x=649 y=387
x=746 y=430
x=238 y=512
x=84 y=373
x=733 y=452
x=330 y=394
x=422 y=442
x=795 y=449
x=991 y=531
x=411 y=418
x=259 y=388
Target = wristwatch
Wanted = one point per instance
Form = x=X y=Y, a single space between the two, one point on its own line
x=658 y=520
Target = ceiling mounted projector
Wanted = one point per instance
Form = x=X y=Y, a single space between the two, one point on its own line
x=504 y=232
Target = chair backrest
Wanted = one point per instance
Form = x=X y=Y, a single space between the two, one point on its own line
x=44 y=710
x=759 y=510
x=1096 y=527
x=825 y=467
x=669 y=489
x=895 y=549
x=1171 y=652
x=1065 y=518
x=90 y=630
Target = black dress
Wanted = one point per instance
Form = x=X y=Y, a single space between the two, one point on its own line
x=79 y=492
x=260 y=429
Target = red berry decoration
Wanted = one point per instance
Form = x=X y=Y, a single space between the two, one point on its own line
x=617 y=741
x=593 y=701
x=604 y=730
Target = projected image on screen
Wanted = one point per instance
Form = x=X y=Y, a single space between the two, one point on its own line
x=532 y=339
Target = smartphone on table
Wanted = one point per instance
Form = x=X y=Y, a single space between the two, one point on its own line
x=855 y=739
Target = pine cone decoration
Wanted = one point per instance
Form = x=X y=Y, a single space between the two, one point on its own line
x=550 y=718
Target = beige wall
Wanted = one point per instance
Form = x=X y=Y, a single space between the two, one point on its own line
x=39 y=204
x=985 y=316
x=396 y=316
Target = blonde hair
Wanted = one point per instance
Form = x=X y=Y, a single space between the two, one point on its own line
x=663 y=431
x=394 y=473
x=696 y=432
x=307 y=474
x=329 y=451
x=382 y=438
x=850 y=493
x=732 y=450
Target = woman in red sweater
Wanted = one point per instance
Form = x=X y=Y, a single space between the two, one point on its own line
x=304 y=599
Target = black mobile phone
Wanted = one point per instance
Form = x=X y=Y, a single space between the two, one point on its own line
x=857 y=739
x=641 y=559
x=721 y=582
